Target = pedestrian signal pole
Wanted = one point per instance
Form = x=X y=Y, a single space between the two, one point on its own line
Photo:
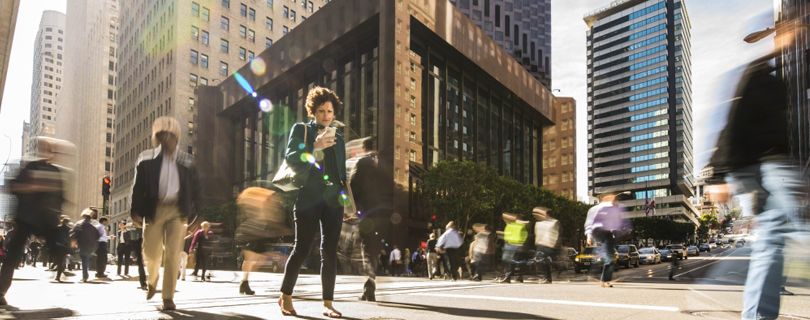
x=105 y=193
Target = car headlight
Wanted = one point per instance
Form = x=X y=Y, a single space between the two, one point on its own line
x=576 y=259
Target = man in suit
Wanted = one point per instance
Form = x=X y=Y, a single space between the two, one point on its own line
x=164 y=200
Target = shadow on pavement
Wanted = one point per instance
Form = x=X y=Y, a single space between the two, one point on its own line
x=9 y=312
x=188 y=314
x=463 y=312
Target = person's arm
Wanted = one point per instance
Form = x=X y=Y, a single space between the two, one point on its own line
x=294 y=151
x=194 y=180
x=508 y=217
x=139 y=192
x=589 y=224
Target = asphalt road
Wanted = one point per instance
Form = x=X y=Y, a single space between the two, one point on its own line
x=709 y=287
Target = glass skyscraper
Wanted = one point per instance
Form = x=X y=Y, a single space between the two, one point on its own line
x=640 y=106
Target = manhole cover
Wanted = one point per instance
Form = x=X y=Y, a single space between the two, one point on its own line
x=736 y=315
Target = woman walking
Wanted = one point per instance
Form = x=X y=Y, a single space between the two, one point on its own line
x=316 y=151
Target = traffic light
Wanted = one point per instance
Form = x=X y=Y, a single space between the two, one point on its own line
x=433 y=218
x=105 y=187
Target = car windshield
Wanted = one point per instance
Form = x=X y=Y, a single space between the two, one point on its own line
x=665 y=251
x=588 y=250
x=623 y=249
x=675 y=246
x=646 y=251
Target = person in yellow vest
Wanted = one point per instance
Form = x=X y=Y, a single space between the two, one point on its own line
x=514 y=235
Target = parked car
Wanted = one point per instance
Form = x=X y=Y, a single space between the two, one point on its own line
x=667 y=255
x=649 y=255
x=740 y=243
x=692 y=251
x=705 y=247
x=628 y=255
x=588 y=258
x=678 y=250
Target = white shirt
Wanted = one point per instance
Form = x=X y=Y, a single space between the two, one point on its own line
x=102 y=232
x=611 y=217
x=546 y=232
x=169 y=185
x=450 y=239
x=121 y=234
x=396 y=255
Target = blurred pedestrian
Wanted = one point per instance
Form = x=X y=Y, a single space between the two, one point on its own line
x=316 y=152
x=123 y=248
x=61 y=247
x=39 y=193
x=449 y=245
x=753 y=156
x=165 y=196
x=432 y=257
x=480 y=251
x=135 y=235
x=85 y=236
x=201 y=246
x=515 y=235
x=184 y=255
x=546 y=240
x=602 y=222
x=101 y=251
x=395 y=261
x=33 y=252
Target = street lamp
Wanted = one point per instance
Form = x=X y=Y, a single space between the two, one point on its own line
x=781 y=27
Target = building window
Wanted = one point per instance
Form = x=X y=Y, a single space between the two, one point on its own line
x=292 y=15
x=412 y=136
x=110 y=94
x=192 y=80
x=270 y=4
x=204 y=61
x=242 y=31
x=204 y=37
x=413 y=119
x=111 y=66
x=223 y=45
x=223 y=68
x=251 y=35
x=203 y=81
x=286 y=12
x=205 y=14
x=195 y=33
x=412 y=156
x=194 y=57
x=224 y=23
x=285 y=30
x=268 y=42
x=243 y=10
x=195 y=9
x=242 y=53
x=252 y=14
x=226 y=3
x=250 y=55
x=311 y=7
x=268 y=22
x=497 y=16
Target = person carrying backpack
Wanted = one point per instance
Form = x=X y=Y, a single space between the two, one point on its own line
x=85 y=235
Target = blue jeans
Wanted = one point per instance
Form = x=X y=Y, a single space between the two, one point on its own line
x=85 y=265
x=777 y=188
x=607 y=248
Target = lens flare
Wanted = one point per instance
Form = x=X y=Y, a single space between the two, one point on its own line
x=325 y=177
x=308 y=158
x=343 y=198
x=258 y=66
x=244 y=84
x=266 y=105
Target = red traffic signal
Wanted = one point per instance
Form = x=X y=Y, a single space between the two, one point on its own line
x=105 y=186
x=106 y=181
x=433 y=218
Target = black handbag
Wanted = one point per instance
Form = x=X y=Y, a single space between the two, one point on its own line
x=286 y=179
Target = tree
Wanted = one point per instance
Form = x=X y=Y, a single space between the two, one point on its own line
x=459 y=191
x=708 y=222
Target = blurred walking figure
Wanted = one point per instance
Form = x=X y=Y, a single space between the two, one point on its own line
x=39 y=193
x=33 y=252
x=449 y=245
x=480 y=251
x=202 y=249
x=546 y=239
x=85 y=236
x=123 y=249
x=101 y=251
x=395 y=261
x=164 y=199
x=515 y=235
x=432 y=257
x=603 y=223
x=61 y=247
x=135 y=236
x=752 y=156
x=184 y=255
x=317 y=155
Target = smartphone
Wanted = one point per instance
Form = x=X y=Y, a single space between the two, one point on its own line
x=331 y=131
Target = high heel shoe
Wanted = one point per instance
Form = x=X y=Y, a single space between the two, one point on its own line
x=285 y=312
x=244 y=288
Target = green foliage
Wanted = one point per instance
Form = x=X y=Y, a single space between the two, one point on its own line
x=708 y=222
x=660 y=228
x=468 y=192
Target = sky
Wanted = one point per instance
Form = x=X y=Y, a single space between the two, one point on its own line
x=17 y=92
x=718 y=53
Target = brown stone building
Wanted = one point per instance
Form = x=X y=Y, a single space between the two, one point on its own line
x=559 y=149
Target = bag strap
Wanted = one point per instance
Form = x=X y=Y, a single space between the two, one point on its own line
x=305 y=133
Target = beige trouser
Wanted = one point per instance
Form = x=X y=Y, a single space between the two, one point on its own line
x=163 y=242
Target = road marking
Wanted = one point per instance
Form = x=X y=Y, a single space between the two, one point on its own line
x=715 y=259
x=559 y=302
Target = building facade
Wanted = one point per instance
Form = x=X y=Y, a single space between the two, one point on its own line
x=522 y=28
x=8 y=21
x=25 y=148
x=640 y=105
x=47 y=76
x=86 y=106
x=793 y=68
x=559 y=149
x=169 y=48
x=421 y=77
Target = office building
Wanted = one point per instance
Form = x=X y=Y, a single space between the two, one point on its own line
x=640 y=105
x=8 y=21
x=420 y=76
x=166 y=49
x=522 y=28
x=47 y=76
x=793 y=68
x=559 y=149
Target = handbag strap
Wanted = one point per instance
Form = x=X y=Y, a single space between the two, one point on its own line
x=305 y=133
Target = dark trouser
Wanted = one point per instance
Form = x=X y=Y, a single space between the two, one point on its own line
x=512 y=255
x=85 y=264
x=58 y=255
x=480 y=264
x=101 y=259
x=451 y=257
x=15 y=252
x=307 y=220
x=608 y=248
x=201 y=261
x=123 y=257
x=544 y=255
x=137 y=250
x=674 y=265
